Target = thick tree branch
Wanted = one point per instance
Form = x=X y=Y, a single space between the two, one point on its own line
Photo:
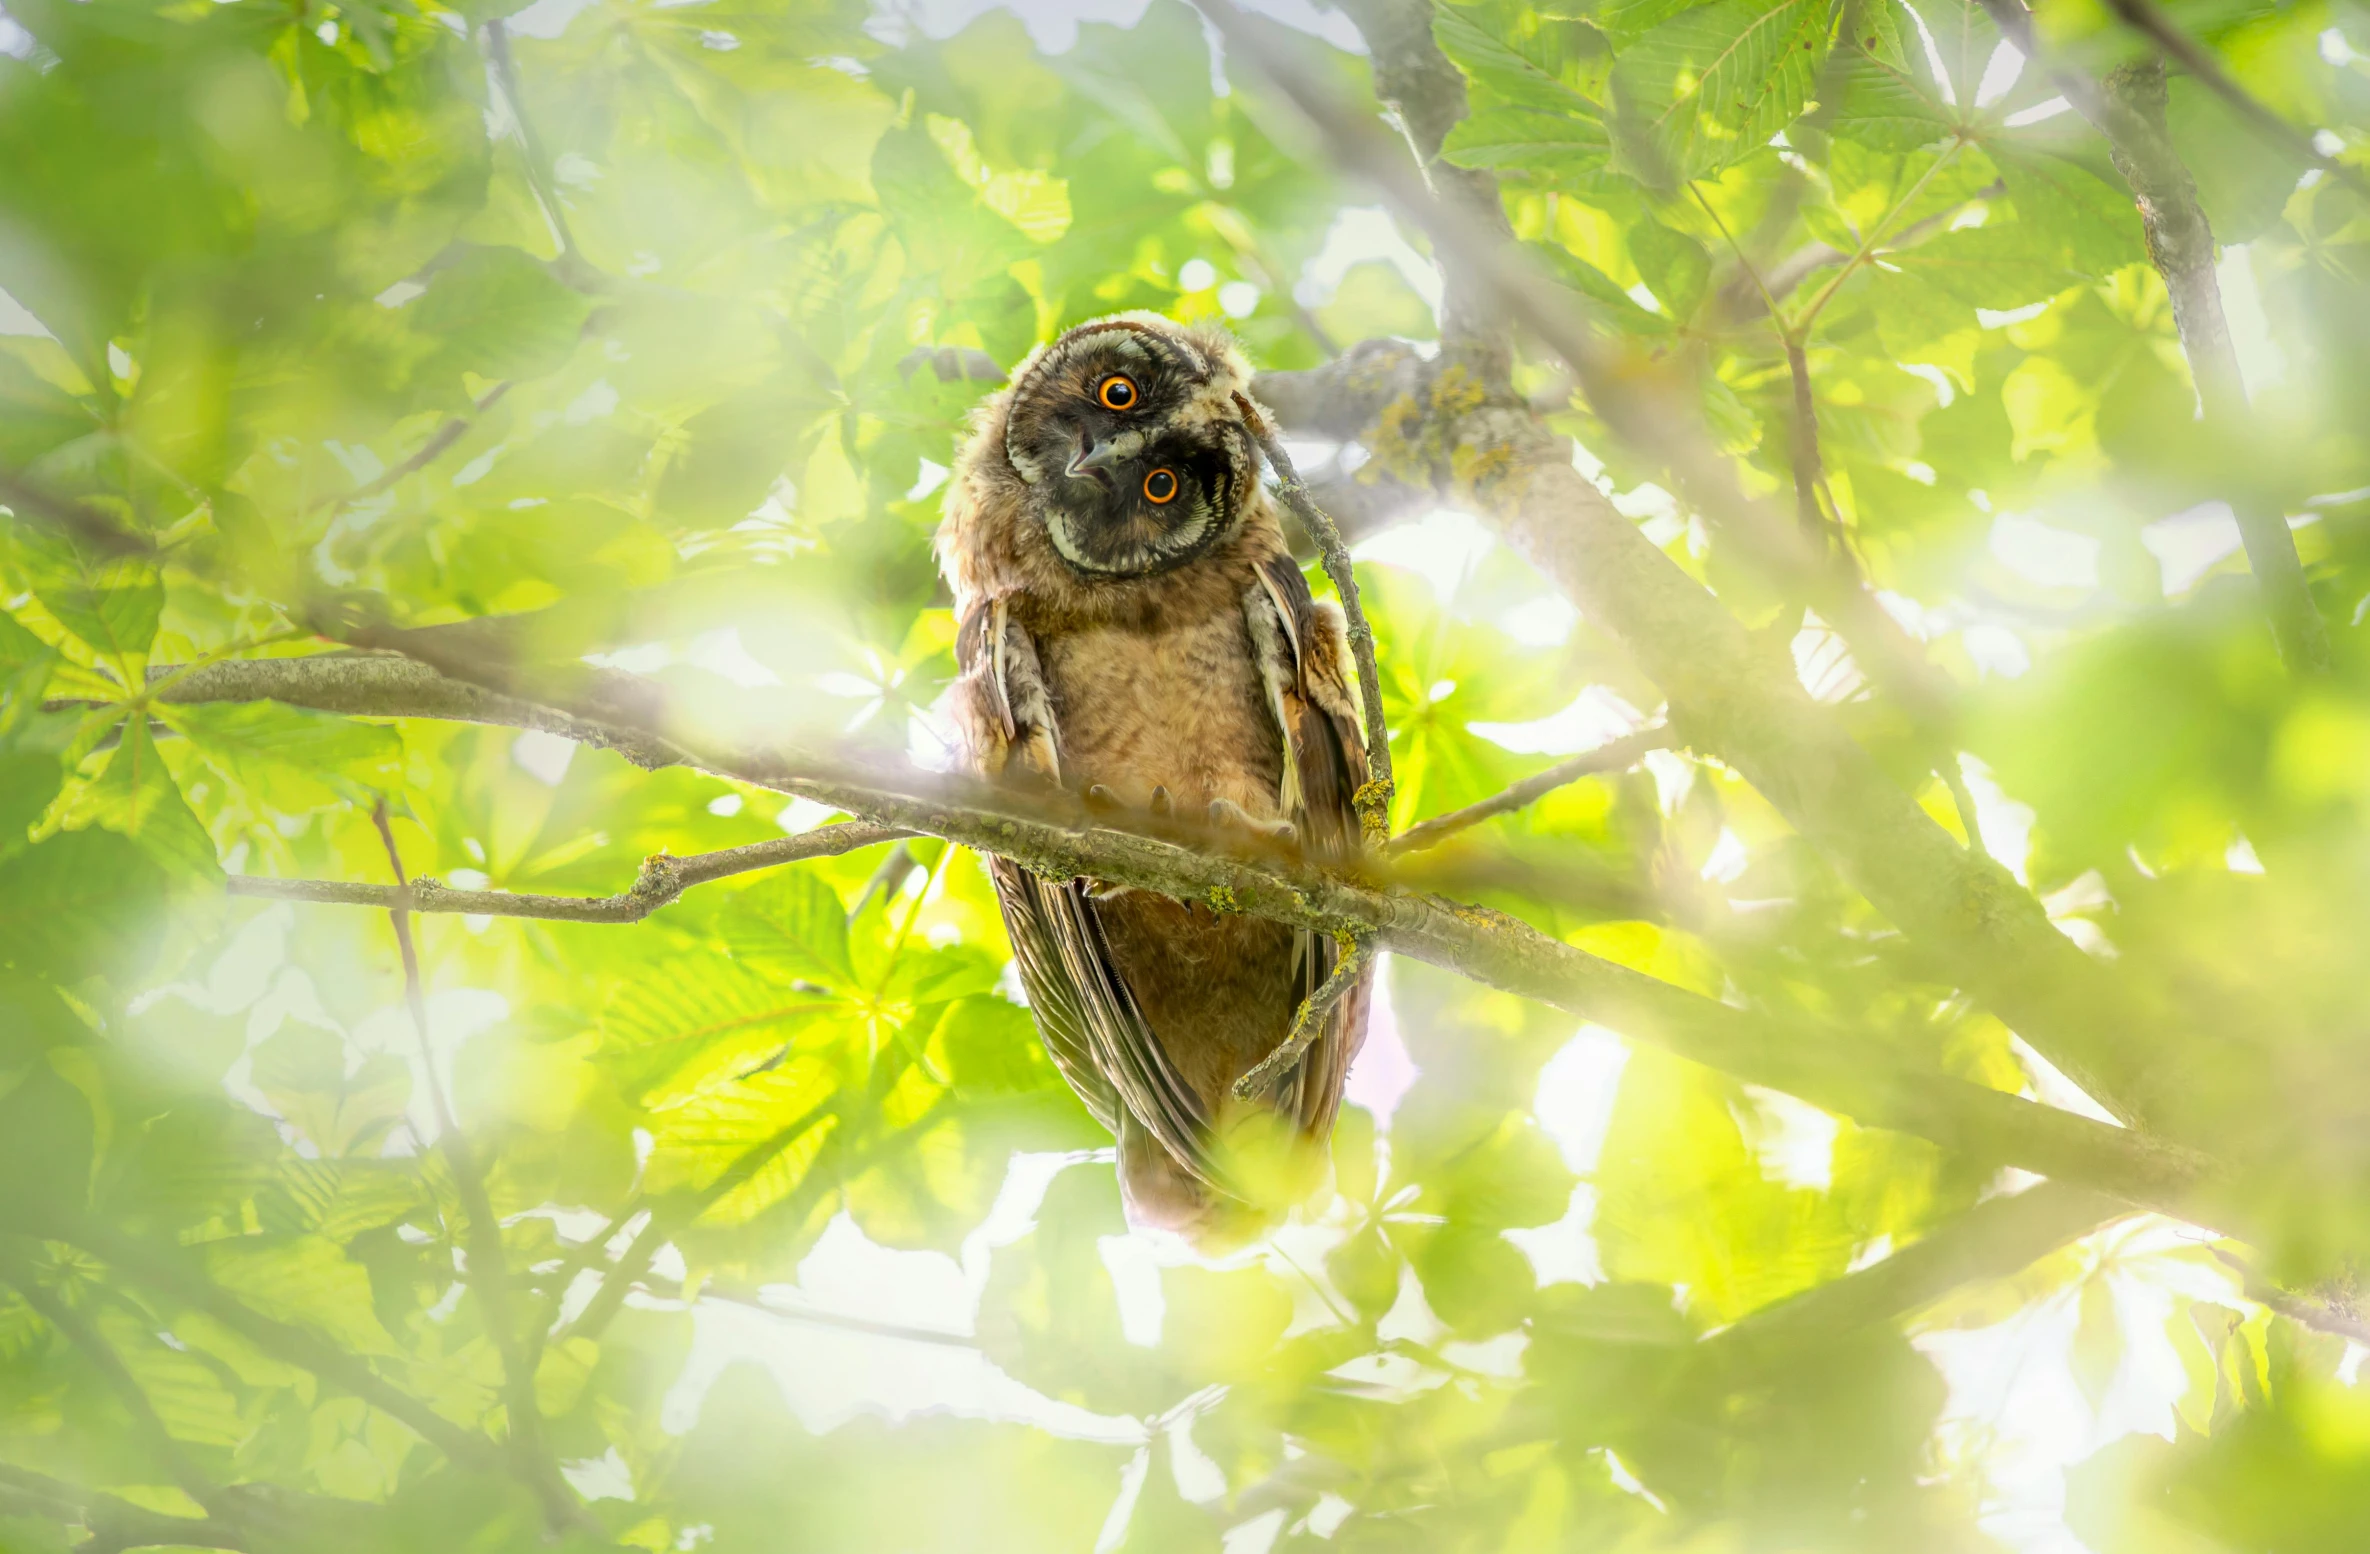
x=662 y=879
x=1729 y=697
x=2129 y=109
x=1616 y=756
x=497 y=42
x=1061 y=840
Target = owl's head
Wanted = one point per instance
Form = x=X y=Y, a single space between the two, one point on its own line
x=1129 y=438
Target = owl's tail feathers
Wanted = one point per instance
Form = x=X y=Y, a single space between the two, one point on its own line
x=1266 y=1155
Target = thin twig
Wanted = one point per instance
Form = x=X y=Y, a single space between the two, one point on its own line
x=94 y=528
x=497 y=38
x=2129 y=109
x=72 y=1326
x=1373 y=800
x=1613 y=756
x=1309 y=1024
x=489 y=1275
x=2144 y=18
x=670 y=1219
x=662 y=879
x=445 y=436
x=113 y=1523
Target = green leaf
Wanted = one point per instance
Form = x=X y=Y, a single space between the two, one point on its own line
x=137 y=796
x=303 y=1072
x=1518 y=75
x=1675 y=267
x=79 y=904
x=308 y=1281
x=291 y=759
x=1609 y=303
x=790 y=928
x=111 y=605
x=1714 y=84
x=1568 y=146
x=500 y=313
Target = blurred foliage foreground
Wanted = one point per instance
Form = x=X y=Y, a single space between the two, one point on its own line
x=1993 y=558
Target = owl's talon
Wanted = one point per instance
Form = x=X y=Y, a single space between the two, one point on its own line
x=1099 y=797
x=1161 y=804
x=1226 y=812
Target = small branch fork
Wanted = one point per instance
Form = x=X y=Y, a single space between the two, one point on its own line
x=1373 y=800
x=1309 y=1023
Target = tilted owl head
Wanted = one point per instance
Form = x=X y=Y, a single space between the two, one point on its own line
x=1128 y=432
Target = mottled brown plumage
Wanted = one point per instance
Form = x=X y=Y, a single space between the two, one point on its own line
x=1133 y=629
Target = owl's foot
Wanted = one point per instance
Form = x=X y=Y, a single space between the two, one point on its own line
x=1226 y=812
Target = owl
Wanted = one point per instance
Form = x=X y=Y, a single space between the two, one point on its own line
x=1132 y=629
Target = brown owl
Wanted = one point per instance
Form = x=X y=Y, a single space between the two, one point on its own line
x=1133 y=629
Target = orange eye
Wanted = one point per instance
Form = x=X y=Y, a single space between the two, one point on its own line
x=1160 y=487
x=1118 y=392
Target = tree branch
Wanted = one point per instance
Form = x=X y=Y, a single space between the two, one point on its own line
x=1615 y=756
x=71 y=1326
x=662 y=879
x=1729 y=697
x=167 y=1270
x=1373 y=799
x=489 y=1265
x=113 y=1523
x=2129 y=111
x=1060 y=839
x=1309 y=1023
x=2144 y=18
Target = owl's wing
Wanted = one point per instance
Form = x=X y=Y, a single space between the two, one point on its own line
x=1304 y=659
x=1093 y=1031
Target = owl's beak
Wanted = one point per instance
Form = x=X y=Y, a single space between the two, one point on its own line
x=1095 y=459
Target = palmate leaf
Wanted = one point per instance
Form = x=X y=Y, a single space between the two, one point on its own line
x=188 y=1398
x=498 y=312
x=80 y=903
x=287 y=758
x=137 y=796
x=790 y=928
x=770 y=1124
x=111 y=605
x=305 y=1280
x=303 y=1072
x=1504 y=66
x=1570 y=147
x=1713 y=84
